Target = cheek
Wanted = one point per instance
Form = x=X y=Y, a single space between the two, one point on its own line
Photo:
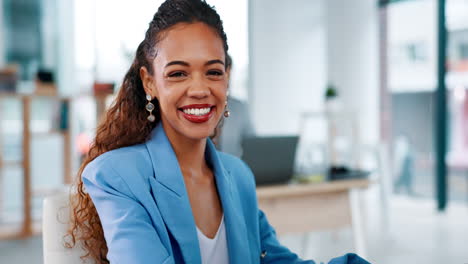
x=166 y=94
x=220 y=90
x=166 y=102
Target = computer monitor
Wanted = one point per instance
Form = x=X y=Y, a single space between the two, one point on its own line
x=270 y=158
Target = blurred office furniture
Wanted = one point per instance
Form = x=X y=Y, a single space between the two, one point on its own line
x=102 y=92
x=335 y=134
x=55 y=223
x=45 y=83
x=27 y=228
x=100 y=88
x=304 y=208
x=8 y=78
x=62 y=127
x=267 y=168
x=337 y=130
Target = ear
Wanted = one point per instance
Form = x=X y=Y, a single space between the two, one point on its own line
x=148 y=82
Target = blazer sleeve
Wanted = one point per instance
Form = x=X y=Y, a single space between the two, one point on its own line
x=129 y=233
x=274 y=253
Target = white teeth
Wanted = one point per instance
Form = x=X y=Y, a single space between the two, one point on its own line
x=197 y=111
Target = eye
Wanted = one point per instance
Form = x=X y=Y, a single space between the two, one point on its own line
x=177 y=74
x=216 y=73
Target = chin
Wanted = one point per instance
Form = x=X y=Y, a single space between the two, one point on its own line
x=198 y=133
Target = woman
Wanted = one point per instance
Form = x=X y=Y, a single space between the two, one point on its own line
x=153 y=189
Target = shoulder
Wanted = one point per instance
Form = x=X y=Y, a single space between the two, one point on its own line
x=127 y=162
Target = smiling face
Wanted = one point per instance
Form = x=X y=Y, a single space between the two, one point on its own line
x=189 y=80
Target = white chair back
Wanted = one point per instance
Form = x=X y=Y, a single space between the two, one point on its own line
x=55 y=222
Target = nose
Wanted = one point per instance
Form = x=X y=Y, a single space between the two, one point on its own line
x=198 y=88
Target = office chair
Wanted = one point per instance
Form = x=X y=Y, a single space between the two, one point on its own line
x=55 y=221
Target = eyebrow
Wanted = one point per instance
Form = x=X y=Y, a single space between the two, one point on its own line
x=214 y=62
x=183 y=63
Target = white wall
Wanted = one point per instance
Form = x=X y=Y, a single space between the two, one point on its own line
x=352 y=43
x=287 y=62
x=295 y=49
x=65 y=48
x=49 y=34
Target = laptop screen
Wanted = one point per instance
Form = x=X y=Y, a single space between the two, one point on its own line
x=270 y=158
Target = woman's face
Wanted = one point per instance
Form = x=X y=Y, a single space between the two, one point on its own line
x=189 y=80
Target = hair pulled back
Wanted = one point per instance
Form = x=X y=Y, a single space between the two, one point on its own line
x=125 y=123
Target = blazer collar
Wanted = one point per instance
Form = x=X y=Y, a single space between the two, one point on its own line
x=236 y=231
x=165 y=164
x=170 y=195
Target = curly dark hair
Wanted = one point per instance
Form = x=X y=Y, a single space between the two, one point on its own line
x=125 y=123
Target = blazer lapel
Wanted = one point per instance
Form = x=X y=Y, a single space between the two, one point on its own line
x=170 y=195
x=236 y=230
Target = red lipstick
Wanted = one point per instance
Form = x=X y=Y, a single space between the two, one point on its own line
x=196 y=106
x=197 y=118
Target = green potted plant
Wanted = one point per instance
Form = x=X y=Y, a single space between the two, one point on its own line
x=331 y=98
x=331 y=92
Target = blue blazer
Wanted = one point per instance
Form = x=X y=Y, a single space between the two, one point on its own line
x=142 y=202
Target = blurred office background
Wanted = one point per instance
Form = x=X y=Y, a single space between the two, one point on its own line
x=385 y=67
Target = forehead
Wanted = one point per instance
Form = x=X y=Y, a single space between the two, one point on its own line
x=196 y=41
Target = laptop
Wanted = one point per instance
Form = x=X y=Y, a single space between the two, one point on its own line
x=270 y=158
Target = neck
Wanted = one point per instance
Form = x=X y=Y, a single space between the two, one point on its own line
x=190 y=153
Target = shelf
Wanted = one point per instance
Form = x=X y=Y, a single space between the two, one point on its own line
x=15 y=231
x=28 y=225
x=10 y=163
x=34 y=95
x=10 y=231
x=49 y=133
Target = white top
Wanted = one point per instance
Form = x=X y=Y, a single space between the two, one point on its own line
x=214 y=250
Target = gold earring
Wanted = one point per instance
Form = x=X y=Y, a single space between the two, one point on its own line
x=150 y=107
x=226 y=111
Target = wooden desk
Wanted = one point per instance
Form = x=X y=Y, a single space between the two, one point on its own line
x=311 y=207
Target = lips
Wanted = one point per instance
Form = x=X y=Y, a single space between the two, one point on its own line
x=197 y=113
